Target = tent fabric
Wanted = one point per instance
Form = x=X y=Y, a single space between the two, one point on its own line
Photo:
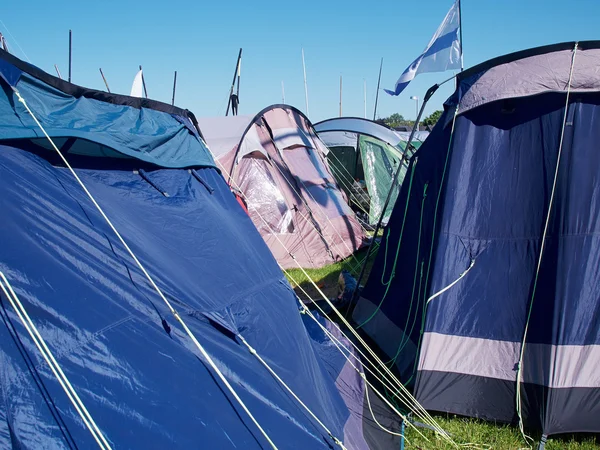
x=363 y=149
x=539 y=73
x=225 y=132
x=359 y=126
x=279 y=163
x=136 y=131
x=454 y=321
x=139 y=375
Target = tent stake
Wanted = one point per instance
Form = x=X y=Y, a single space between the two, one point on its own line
x=428 y=95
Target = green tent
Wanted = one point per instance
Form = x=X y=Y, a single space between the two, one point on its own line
x=364 y=156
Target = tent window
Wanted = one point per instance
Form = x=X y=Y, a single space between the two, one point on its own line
x=265 y=198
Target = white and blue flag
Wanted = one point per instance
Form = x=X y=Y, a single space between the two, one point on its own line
x=443 y=53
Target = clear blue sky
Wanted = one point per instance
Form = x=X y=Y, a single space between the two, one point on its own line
x=201 y=41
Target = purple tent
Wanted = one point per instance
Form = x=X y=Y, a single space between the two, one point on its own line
x=276 y=159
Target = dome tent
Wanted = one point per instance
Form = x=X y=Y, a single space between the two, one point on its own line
x=496 y=313
x=276 y=159
x=132 y=364
x=360 y=149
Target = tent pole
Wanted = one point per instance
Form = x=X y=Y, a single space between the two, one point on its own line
x=144 y=83
x=105 y=82
x=70 y=53
x=282 y=93
x=377 y=91
x=174 y=87
x=57 y=71
x=235 y=73
x=428 y=95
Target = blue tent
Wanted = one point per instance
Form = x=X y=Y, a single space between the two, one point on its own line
x=486 y=288
x=138 y=373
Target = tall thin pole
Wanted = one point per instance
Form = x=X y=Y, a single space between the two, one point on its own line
x=104 y=78
x=57 y=71
x=144 y=83
x=282 y=92
x=461 y=38
x=340 y=96
x=377 y=93
x=305 y=85
x=239 y=75
x=235 y=73
x=365 y=92
x=174 y=87
x=70 y=52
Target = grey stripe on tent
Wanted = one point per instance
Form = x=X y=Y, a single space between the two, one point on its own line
x=575 y=366
x=388 y=336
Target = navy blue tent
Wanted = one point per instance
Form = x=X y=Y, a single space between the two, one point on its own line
x=486 y=288
x=143 y=381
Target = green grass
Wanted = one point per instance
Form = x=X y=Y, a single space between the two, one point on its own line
x=462 y=430
x=326 y=278
x=493 y=436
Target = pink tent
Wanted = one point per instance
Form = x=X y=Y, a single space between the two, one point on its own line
x=279 y=164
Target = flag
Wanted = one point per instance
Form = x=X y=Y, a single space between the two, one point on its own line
x=444 y=51
x=137 y=89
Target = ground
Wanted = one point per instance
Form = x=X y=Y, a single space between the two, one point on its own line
x=463 y=431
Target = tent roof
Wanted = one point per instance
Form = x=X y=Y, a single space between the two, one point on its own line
x=529 y=72
x=223 y=133
x=138 y=128
x=359 y=125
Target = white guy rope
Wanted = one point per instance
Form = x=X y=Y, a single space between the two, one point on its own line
x=542 y=246
x=401 y=391
x=150 y=279
x=253 y=351
x=39 y=342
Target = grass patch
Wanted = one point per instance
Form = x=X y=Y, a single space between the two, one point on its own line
x=463 y=430
x=493 y=436
x=327 y=277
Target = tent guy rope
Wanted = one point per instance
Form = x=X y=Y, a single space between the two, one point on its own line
x=174 y=312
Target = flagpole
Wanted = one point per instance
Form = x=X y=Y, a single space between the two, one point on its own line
x=460 y=35
x=377 y=92
x=282 y=92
